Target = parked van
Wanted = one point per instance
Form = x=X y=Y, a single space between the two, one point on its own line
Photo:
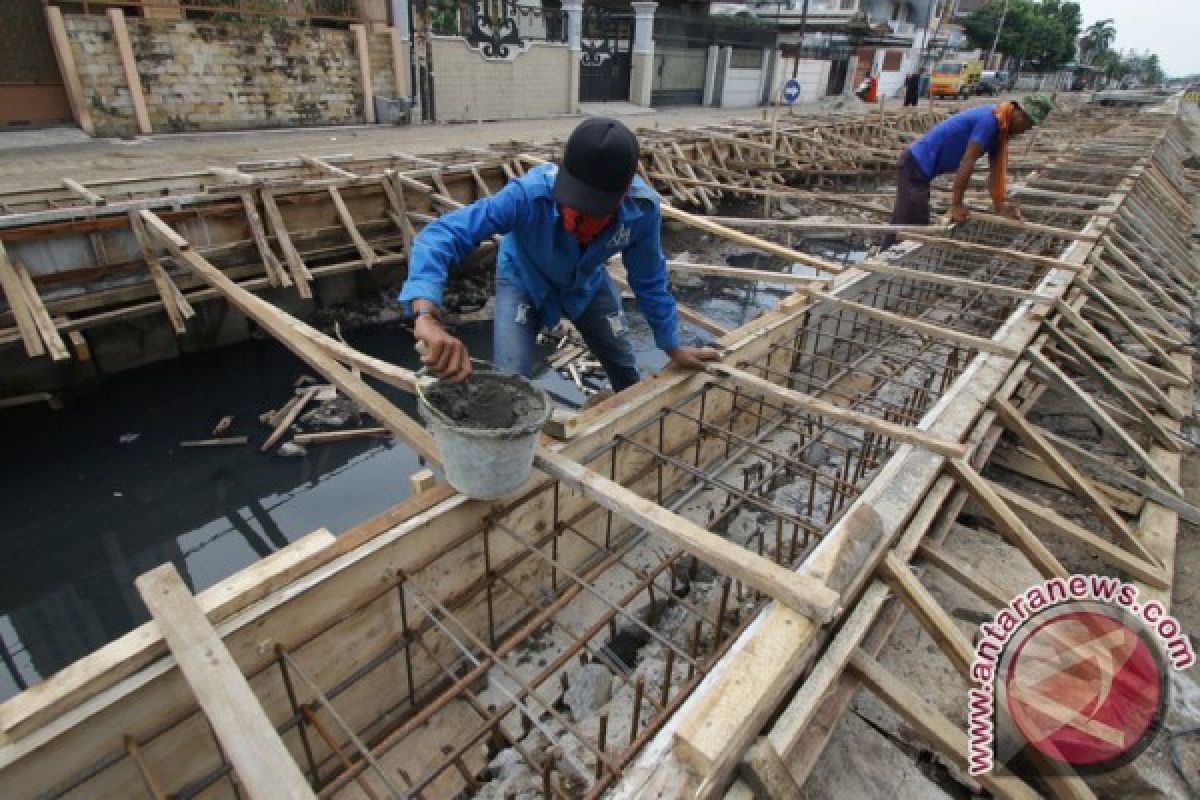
x=955 y=78
x=993 y=82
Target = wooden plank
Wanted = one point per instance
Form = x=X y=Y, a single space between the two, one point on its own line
x=1125 y=364
x=767 y=775
x=932 y=726
x=325 y=166
x=87 y=194
x=292 y=333
x=1025 y=464
x=332 y=437
x=222 y=441
x=300 y=273
x=1064 y=384
x=701 y=223
x=175 y=305
x=1015 y=421
x=826 y=409
x=825 y=225
x=1132 y=295
x=988 y=250
x=275 y=272
x=800 y=593
x=1032 y=227
x=1087 y=364
x=742 y=274
x=1006 y=520
x=133 y=81
x=1113 y=555
x=1105 y=468
x=991 y=289
x=925 y=328
x=67 y=68
x=287 y=416
x=365 y=251
x=105 y=667
x=362 y=51
x=14 y=292
x=932 y=617
x=41 y=318
x=965 y=574
x=264 y=766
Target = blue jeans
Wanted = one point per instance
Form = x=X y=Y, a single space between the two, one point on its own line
x=602 y=326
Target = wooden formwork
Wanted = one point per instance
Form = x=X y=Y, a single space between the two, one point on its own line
x=911 y=365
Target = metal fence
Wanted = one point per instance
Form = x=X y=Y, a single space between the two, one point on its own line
x=496 y=26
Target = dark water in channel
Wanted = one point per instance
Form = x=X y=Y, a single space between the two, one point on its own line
x=85 y=514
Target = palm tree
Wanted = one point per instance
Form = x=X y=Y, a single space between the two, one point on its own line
x=1096 y=39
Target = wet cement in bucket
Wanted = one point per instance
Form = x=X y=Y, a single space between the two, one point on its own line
x=489 y=402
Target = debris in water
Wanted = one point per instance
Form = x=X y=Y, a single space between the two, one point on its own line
x=291 y=450
x=223 y=425
x=129 y=438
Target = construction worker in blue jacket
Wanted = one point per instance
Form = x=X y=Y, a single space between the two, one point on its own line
x=561 y=223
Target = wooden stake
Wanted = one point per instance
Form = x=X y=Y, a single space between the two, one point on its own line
x=116 y=18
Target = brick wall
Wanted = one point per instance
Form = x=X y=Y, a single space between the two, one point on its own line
x=225 y=76
x=468 y=88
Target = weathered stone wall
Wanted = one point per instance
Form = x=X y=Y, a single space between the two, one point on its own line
x=226 y=76
x=468 y=88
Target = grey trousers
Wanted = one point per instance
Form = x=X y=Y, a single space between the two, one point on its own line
x=912 y=196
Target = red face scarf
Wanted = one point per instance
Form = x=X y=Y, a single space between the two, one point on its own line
x=583 y=227
x=1004 y=116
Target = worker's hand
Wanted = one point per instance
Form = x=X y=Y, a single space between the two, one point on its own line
x=693 y=357
x=445 y=355
x=959 y=214
x=1012 y=211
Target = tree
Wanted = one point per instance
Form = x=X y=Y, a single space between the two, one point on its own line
x=1096 y=40
x=1038 y=34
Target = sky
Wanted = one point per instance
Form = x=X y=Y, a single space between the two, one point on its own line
x=1170 y=28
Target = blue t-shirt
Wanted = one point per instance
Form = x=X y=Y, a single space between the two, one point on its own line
x=539 y=255
x=941 y=150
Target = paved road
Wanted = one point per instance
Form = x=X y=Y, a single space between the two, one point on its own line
x=43 y=158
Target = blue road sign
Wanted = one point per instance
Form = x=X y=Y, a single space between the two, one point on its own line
x=791 y=91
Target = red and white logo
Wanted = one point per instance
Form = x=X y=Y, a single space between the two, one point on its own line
x=1083 y=687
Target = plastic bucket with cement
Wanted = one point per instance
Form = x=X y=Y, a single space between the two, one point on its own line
x=485 y=462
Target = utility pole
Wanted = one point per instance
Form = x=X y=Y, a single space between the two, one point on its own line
x=996 y=41
x=800 y=47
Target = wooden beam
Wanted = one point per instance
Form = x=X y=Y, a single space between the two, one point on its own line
x=41 y=317
x=988 y=250
x=767 y=775
x=1085 y=363
x=276 y=275
x=1063 y=383
x=1006 y=520
x=1032 y=227
x=1015 y=421
x=742 y=274
x=824 y=408
x=298 y=337
x=965 y=574
x=932 y=726
x=14 y=292
x=133 y=81
x=324 y=166
x=264 y=767
x=920 y=326
x=932 y=617
x=363 y=51
x=701 y=223
x=178 y=310
x=87 y=194
x=1146 y=571
x=286 y=416
x=300 y=273
x=67 y=68
x=823 y=225
x=989 y=289
x=365 y=251
x=801 y=593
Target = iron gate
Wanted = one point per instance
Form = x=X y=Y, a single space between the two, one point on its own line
x=606 y=59
x=31 y=88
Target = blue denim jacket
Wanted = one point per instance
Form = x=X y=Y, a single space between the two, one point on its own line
x=541 y=257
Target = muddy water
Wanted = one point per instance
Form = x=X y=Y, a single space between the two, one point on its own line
x=100 y=492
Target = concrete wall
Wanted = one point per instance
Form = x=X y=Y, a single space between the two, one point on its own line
x=226 y=76
x=812 y=74
x=466 y=87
